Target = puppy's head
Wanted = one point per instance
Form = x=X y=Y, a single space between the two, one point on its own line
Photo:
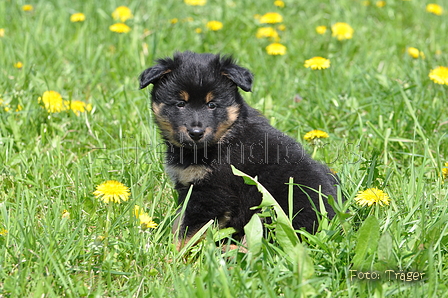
x=195 y=96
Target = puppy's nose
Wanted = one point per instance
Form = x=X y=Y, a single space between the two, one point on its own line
x=196 y=133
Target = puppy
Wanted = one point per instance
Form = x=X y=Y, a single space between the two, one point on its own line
x=207 y=126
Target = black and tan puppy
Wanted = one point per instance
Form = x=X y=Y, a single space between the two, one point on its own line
x=207 y=126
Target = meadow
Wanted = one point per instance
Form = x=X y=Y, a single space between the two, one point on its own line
x=382 y=98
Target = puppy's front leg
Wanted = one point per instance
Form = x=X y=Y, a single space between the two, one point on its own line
x=204 y=205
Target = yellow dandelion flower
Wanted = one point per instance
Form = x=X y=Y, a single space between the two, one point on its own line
x=146 y=222
x=365 y=3
x=198 y=30
x=2 y=32
x=174 y=21
x=18 y=65
x=317 y=63
x=445 y=171
x=214 y=25
x=112 y=191
x=271 y=18
x=276 y=49
x=281 y=27
x=27 y=7
x=415 y=53
x=380 y=3
x=138 y=211
x=279 y=3
x=120 y=28
x=439 y=75
x=19 y=108
x=53 y=102
x=122 y=13
x=372 y=196
x=78 y=106
x=267 y=32
x=3 y=232
x=321 y=29
x=195 y=2
x=342 y=31
x=315 y=134
x=65 y=214
x=77 y=17
x=434 y=9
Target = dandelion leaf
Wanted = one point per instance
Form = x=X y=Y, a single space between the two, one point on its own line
x=368 y=237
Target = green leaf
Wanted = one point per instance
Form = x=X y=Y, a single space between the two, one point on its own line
x=254 y=234
x=385 y=248
x=368 y=236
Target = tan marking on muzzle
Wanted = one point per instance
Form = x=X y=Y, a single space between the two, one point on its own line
x=232 y=114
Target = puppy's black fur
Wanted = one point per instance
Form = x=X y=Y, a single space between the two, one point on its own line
x=207 y=126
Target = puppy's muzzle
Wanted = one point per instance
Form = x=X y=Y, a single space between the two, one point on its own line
x=196 y=133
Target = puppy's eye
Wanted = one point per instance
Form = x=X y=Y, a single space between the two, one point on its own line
x=211 y=105
x=180 y=104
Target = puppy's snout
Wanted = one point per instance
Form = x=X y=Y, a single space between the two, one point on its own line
x=196 y=133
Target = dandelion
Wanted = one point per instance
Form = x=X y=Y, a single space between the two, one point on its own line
x=145 y=220
x=315 y=134
x=198 y=30
x=195 y=2
x=214 y=25
x=434 y=9
x=78 y=106
x=380 y=4
x=65 y=214
x=112 y=191
x=120 y=28
x=27 y=7
x=52 y=101
x=174 y=21
x=445 y=171
x=122 y=13
x=365 y=3
x=271 y=18
x=276 y=49
x=321 y=29
x=415 y=53
x=279 y=3
x=342 y=31
x=2 y=32
x=372 y=196
x=281 y=27
x=439 y=75
x=5 y=106
x=77 y=17
x=3 y=232
x=18 y=65
x=267 y=32
x=317 y=63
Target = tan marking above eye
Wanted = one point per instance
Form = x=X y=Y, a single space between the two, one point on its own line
x=184 y=95
x=208 y=97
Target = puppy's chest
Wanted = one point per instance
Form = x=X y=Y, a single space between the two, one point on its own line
x=188 y=175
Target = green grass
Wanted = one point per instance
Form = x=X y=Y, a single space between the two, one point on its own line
x=386 y=119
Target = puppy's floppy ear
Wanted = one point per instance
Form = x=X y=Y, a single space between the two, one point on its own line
x=152 y=74
x=239 y=75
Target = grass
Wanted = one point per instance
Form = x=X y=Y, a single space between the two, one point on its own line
x=386 y=119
